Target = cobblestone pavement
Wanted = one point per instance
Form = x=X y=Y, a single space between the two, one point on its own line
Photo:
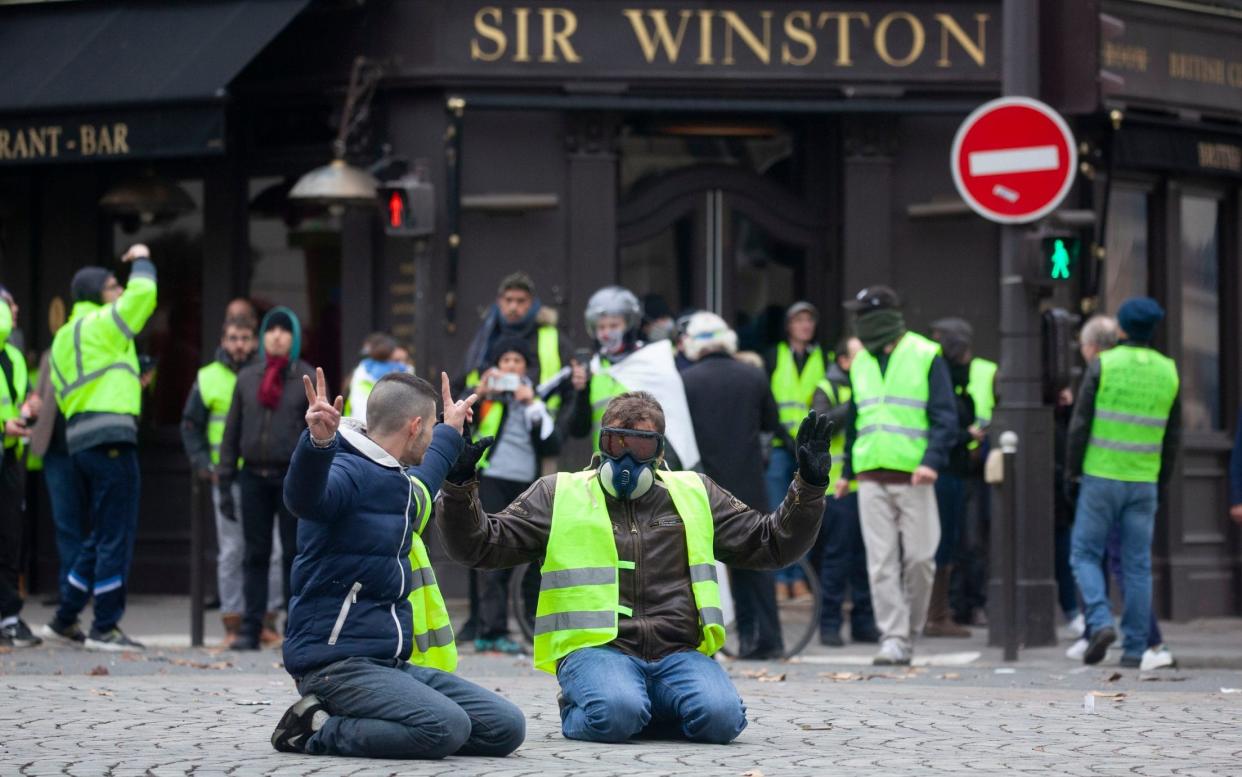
x=179 y=712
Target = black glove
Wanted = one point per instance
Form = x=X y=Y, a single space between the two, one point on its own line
x=463 y=470
x=227 y=508
x=814 y=458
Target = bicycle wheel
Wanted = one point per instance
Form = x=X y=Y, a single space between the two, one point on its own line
x=523 y=595
x=798 y=618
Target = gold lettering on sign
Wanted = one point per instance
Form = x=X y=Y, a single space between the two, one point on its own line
x=1220 y=156
x=1121 y=56
x=705 y=37
x=761 y=48
x=1192 y=67
x=975 y=49
x=522 y=16
x=1235 y=74
x=491 y=32
x=918 y=38
x=802 y=36
x=552 y=39
x=843 y=19
x=662 y=37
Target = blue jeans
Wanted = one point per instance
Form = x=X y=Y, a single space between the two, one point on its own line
x=101 y=568
x=951 y=502
x=1101 y=504
x=843 y=566
x=780 y=472
x=1067 y=592
x=387 y=708
x=608 y=696
x=1154 y=637
x=67 y=492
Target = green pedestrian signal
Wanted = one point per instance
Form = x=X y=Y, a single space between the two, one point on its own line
x=1061 y=257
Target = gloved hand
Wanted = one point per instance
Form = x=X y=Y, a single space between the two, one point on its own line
x=227 y=508
x=814 y=458
x=468 y=460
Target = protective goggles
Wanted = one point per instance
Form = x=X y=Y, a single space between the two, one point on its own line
x=644 y=446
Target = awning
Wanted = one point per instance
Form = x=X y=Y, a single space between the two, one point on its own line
x=89 y=81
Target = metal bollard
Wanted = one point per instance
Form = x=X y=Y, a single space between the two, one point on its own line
x=196 y=560
x=1009 y=449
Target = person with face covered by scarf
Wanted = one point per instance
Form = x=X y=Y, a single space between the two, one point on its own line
x=903 y=425
x=264 y=422
x=629 y=604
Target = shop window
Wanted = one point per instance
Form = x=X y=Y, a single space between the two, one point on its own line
x=1125 y=268
x=651 y=151
x=169 y=345
x=295 y=259
x=1200 y=368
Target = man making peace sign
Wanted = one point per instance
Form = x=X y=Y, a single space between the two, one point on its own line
x=368 y=642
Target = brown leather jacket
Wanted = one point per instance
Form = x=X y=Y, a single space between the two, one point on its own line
x=648 y=531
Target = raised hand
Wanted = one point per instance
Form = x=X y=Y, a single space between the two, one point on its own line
x=322 y=417
x=136 y=251
x=814 y=458
x=456 y=413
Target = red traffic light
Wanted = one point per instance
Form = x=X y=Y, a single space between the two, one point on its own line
x=396 y=209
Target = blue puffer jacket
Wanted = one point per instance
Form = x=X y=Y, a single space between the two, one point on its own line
x=357 y=512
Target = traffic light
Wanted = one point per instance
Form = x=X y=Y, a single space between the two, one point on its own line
x=1060 y=347
x=407 y=206
x=1060 y=255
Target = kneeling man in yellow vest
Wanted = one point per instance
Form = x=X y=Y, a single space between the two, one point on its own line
x=368 y=642
x=629 y=605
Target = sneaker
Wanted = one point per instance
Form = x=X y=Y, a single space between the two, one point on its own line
x=868 y=635
x=1131 y=662
x=1157 y=657
x=244 y=642
x=484 y=645
x=1077 y=650
x=893 y=652
x=113 y=640
x=1097 y=646
x=831 y=639
x=1077 y=626
x=18 y=634
x=506 y=646
x=299 y=722
x=57 y=633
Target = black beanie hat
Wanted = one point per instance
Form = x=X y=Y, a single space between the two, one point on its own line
x=505 y=345
x=88 y=283
x=279 y=319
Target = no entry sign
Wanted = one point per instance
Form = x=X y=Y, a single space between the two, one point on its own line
x=1013 y=160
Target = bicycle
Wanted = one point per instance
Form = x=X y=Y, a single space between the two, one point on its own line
x=799 y=618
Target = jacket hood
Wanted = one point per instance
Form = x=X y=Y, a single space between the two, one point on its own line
x=295 y=352
x=354 y=432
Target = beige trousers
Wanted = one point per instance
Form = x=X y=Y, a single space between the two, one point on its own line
x=901 y=529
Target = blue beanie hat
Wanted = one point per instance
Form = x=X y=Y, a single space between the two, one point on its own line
x=1138 y=317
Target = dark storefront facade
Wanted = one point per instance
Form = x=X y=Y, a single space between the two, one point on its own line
x=732 y=156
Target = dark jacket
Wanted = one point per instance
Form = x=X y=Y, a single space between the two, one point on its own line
x=1235 y=467
x=943 y=425
x=194 y=418
x=265 y=438
x=1084 y=414
x=649 y=532
x=730 y=404
x=356 y=508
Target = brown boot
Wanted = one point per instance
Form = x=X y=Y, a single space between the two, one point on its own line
x=269 y=637
x=940 y=621
x=232 y=626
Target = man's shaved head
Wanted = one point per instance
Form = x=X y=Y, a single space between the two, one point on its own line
x=397 y=399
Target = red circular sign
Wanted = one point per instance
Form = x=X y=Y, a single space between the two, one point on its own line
x=1013 y=160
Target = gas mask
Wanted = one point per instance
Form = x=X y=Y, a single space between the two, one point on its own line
x=628 y=459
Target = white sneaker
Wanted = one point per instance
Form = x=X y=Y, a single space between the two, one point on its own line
x=1158 y=657
x=893 y=652
x=1078 y=626
x=1077 y=650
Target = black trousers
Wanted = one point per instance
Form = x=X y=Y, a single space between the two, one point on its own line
x=489 y=588
x=11 y=501
x=262 y=504
x=758 y=622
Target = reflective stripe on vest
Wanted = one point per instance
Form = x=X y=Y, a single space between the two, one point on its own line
x=215 y=387
x=892 y=426
x=602 y=389
x=837 y=396
x=11 y=407
x=982 y=389
x=432 y=632
x=94 y=379
x=794 y=390
x=1132 y=404
x=579 y=598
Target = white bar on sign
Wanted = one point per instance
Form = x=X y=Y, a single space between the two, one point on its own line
x=1014 y=160
x=1005 y=193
